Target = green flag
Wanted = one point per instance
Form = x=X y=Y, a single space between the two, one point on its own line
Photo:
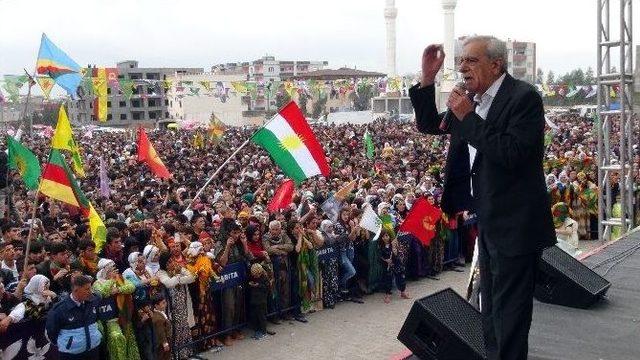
x=368 y=145
x=23 y=160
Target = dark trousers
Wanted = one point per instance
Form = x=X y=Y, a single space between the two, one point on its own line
x=91 y=354
x=259 y=316
x=387 y=281
x=506 y=286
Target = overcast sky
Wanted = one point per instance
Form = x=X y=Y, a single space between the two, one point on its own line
x=344 y=32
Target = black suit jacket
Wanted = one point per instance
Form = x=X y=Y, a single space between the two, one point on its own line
x=509 y=192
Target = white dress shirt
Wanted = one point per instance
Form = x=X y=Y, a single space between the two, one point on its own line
x=484 y=104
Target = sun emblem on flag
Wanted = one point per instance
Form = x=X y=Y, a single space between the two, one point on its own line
x=291 y=142
x=21 y=165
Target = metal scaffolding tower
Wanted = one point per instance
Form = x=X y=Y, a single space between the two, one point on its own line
x=615 y=125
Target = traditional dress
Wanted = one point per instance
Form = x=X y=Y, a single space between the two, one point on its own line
x=121 y=339
x=202 y=296
x=309 y=284
x=181 y=307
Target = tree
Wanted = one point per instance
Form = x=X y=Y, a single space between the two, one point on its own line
x=588 y=76
x=302 y=103
x=319 y=106
x=539 y=76
x=550 y=77
x=363 y=95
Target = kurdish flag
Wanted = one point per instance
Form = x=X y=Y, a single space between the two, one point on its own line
x=146 y=153
x=59 y=66
x=292 y=145
x=27 y=164
x=58 y=183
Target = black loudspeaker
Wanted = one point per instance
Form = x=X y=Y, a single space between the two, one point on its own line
x=563 y=280
x=443 y=326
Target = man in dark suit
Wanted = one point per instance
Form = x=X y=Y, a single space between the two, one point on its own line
x=494 y=167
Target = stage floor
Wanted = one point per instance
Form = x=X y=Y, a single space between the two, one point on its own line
x=610 y=330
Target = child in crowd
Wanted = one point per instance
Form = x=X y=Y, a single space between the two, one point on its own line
x=161 y=328
x=259 y=284
x=144 y=330
x=393 y=268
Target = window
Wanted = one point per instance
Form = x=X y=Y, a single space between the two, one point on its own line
x=271 y=69
x=123 y=104
x=109 y=117
x=136 y=103
x=166 y=114
x=180 y=102
x=108 y=91
x=166 y=102
x=123 y=116
x=152 y=115
x=93 y=118
x=108 y=104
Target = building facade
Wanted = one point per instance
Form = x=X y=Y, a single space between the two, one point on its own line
x=147 y=105
x=227 y=108
x=521 y=58
x=268 y=69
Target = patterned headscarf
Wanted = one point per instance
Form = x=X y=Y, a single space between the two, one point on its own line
x=560 y=213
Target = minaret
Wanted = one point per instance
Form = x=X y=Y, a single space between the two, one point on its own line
x=390 y=13
x=448 y=10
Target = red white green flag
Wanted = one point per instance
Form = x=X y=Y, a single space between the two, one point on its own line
x=291 y=143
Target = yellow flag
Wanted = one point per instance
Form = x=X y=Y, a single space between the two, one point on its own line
x=63 y=140
x=46 y=84
x=98 y=230
x=100 y=88
x=239 y=86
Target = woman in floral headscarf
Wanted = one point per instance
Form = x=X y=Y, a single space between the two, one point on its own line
x=121 y=340
x=566 y=227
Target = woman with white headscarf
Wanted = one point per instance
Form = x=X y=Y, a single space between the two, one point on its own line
x=121 y=339
x=137 y=273
x=36 y=305
x=151 y=255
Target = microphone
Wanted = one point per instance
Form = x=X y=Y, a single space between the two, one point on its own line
x=446 y=119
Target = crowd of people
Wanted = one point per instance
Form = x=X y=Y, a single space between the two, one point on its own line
x=164 y=267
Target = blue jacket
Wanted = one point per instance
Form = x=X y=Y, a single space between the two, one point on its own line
x=74 y=328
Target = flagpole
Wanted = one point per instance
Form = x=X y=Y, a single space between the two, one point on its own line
x=218 y=170
x=33 y=216
x=26 y=102
x=232 y=155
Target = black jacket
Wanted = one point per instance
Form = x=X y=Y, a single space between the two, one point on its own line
x=509 y=192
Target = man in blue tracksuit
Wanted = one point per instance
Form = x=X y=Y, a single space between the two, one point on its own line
x=72 y=323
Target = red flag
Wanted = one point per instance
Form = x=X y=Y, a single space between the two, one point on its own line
x=147 y=153
x=283 y=196
x=421 y=221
